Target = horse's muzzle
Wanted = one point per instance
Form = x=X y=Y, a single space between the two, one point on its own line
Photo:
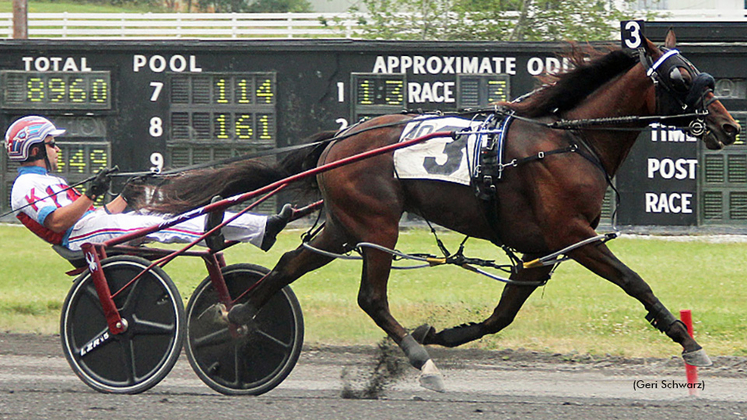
x=716 y=137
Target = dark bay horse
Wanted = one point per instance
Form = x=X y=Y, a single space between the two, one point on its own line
x=543 y=206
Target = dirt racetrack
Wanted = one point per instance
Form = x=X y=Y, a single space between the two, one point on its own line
x=37 y=383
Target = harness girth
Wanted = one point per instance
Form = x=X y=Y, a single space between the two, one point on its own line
x=488 y=168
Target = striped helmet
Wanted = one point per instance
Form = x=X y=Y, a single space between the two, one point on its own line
x=25 y=132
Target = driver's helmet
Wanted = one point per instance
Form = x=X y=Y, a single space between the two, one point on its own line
x=25 y=132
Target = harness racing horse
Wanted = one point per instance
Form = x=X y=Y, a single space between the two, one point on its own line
x=543 y=205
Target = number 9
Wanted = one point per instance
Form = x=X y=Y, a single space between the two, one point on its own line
x=157 y=160
x=632 y=33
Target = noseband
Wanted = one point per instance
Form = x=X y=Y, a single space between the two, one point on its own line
x=667 y=77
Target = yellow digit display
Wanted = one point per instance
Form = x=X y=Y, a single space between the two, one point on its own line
x=82 y=158
x=35 y=89
x=379 y=91
x=77 y=161
x=365 y=92
x=56 y=90
x=497 y=91
x=265 y=94
x=244 y=90
x=99 y=90
x=77 y=90
x=243 y=124
x=263 y=126
x=239 y=107
x=394 y=92
x=61 y=160
x=99 y=159
x=221 y=90
x=220 y=126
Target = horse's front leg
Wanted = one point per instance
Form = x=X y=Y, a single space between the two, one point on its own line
x=600 y=260
x=513 y=297
x=372 y=298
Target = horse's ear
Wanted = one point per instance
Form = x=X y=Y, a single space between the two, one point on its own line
x=671 y=40
x=650 y=47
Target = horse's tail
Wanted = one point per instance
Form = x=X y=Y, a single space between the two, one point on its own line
x=193 y=189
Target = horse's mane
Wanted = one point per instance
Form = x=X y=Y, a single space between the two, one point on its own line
x=590 y=69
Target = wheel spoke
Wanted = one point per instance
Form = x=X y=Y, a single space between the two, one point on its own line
x=128 y=360
x=274 y=340
x=142 y=326
x=91 y=294
x=237 y=370
x=213 y=339
x=131 y=299
x=77 y=348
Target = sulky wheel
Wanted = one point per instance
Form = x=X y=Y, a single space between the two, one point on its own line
x=251 y=363
x=140 y=357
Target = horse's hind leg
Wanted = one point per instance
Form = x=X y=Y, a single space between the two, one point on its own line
x=290 y=267
x=372 y=296
x=600 y=260
x=512 y=299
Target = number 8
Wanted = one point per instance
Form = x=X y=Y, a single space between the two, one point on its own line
x=156 y=127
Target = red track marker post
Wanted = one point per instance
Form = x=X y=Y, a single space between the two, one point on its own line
x=691 y=372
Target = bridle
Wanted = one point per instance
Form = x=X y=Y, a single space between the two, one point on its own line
x=671 y=86
x=675 y=100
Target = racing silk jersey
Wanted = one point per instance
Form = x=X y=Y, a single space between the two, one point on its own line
x=42 y=194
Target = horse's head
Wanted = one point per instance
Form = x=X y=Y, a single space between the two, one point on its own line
x=683 y=90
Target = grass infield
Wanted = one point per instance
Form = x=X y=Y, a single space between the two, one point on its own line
x=575 y=312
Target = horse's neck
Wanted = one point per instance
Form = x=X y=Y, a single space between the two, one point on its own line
x=629 y=95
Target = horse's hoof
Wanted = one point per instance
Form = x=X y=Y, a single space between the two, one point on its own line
x=697 y=358
x=431 y=378
x=422 y=334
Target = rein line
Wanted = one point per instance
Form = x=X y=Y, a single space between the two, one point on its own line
x=588 y=123
x=342 y=135
x=226 y=161
x=582 y=124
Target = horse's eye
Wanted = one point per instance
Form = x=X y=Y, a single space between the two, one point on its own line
x=678 y=81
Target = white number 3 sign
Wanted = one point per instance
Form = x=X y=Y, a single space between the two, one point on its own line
x=632 y=33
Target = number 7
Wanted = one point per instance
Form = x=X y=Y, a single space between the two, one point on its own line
x=157 y=86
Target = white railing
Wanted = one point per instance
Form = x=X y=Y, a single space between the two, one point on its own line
x=183 y=25
x=702 y=15
x=239 y=25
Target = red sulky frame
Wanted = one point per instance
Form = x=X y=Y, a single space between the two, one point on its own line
x=214 y=261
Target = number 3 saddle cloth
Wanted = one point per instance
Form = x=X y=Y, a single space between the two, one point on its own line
x=474 y=156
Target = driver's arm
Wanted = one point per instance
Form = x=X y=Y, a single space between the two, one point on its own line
x=116 y=206
x=65 y=217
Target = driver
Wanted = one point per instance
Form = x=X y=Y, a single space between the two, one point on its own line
x=60 y=215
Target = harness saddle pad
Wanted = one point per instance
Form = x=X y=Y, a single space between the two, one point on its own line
x=440 y=158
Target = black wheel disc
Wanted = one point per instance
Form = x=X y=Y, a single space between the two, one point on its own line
x=251 y=363
x=143 y=355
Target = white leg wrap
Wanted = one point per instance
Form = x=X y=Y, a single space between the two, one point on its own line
x=431 y=378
